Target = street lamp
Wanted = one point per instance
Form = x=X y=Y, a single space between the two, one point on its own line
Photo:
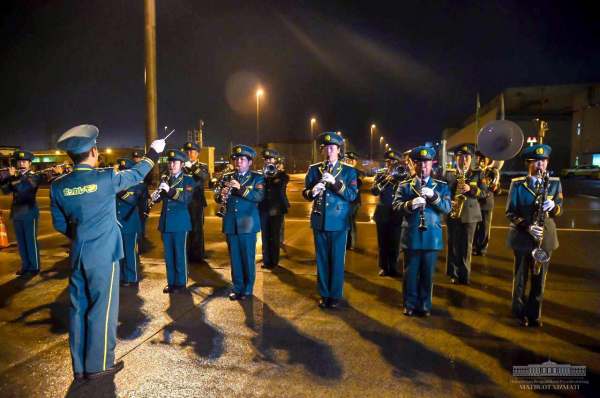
x=380 y=146
x=258 y=94
x=371 y=150
x=312 y=144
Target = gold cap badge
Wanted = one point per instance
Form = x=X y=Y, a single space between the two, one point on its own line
x=239 y=150
x=171 y=153
x=465 y=148
x=21 y=154
x=267 y=153
x=539 y=151
x=424 y=152
x=327 y=138
x=123 y=163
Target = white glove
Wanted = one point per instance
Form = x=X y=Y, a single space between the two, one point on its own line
x=158 y=145
x=548 y=205
x=317 y=189
x=328 y=178
x=418 y=202
x=187 y=164
x=536 y=231
x=428 y=192
x=164 y=187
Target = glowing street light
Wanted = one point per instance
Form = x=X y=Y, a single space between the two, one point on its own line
x=258 y=94
x=109 y=150
x=57 y=152
x=381 y=146
x=371 y=150
x=312 y=144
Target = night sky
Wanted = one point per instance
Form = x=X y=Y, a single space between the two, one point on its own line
x=411 y=68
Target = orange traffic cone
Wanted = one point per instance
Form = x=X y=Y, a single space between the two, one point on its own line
x=3 y=234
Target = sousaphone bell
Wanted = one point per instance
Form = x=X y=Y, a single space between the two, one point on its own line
x=500 y=140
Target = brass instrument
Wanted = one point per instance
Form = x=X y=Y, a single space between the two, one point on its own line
x=156 y=194
x=319 y=201
x=410 y=164
x=422 y=226
x=459 y=197
x=500 y=140
x=540 y=256
x=223 y=183
x=395 y=174
x=270 y=169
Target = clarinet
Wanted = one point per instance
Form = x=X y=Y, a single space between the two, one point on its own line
x=319 y=201
x=422 y=226
x=539 y=255
x=156 y=194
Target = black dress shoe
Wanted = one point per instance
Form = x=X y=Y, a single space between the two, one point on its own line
x=234 y=296
x=21 y=272
x=522 y=321
x=78 y=375
x=392 y=274
x=176 y=289
x=116 y=368
x=535 y=324
x=351 y=248
x=475 y=253
x=167 y=289
x=333 y=303
x=465 y=282
x=408 y=311
x=267 y=266
x=323 y=302
x=383 y=273
x=454 y=281
x=245 y=296
x=424 y=313
x=130 y=284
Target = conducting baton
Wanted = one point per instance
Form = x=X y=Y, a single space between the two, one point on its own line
x=168 y=135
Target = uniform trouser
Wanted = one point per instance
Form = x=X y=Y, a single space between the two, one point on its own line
x=176 y=257
x=270 y=228
x=482 y=232
x=460 y=242
x=282 y=231
x=94 y=292
x=196 y=239
x=388 y=240
x=521 y=305
x=130 y=262
x=242 y=250
x=417 y=285
x=330 y=247
x=352 y=232
x=26 y=231
x=142 y=206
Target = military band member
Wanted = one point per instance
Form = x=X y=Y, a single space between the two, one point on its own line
x=24 y=211
x=128 y=217
x=241 y=221
x=82 y=204
x=272 y=209
x=524 y=233
x=388 y=221
x=199 y=172
x=461 y=230
x=421 y=248
x=281 y=166
x=143 y=202
x=491 y=177
x=352 y=161
x=331 y=185
x=175 y=223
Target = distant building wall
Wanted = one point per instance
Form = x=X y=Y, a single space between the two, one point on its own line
x=585 y=129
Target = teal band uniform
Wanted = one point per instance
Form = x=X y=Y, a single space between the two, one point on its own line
x=128 y=217
x=520 y=208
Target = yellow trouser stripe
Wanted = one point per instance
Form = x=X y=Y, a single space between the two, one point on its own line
x=135 y=257
x=107 y=315
x=37 y=260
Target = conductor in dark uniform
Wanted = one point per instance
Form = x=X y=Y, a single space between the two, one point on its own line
x=199 y=172
x=420 y=247
x=131 y=226
x=143 y=202
x=461 y=230
x=352 y=161
x=331 y=186
x=281 y=166
x=82 y=204
x=388 y=221
x=272 y=208
x=175 y=223
x=24 y=211
x=241 y=221
x=491 y=177
x=524 y=196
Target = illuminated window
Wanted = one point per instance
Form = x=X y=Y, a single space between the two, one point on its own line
x=596 y=159
x=578 y=128
x=576 y=160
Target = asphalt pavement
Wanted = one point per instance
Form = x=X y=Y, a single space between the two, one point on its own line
x=280 y=344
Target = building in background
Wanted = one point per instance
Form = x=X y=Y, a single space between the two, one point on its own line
x=585 y=129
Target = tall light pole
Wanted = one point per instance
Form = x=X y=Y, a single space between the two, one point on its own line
x=371 y=150
x=150 y=74
x=380 y=147
x=258 y=94
x=312 y=144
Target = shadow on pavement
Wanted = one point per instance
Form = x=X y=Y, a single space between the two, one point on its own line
x=104 y=387
x=277 y=333
x=131 y=317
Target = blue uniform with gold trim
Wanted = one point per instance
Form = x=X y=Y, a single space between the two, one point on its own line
x=82 y=204
x=241 y=223
x=25 y=215
x=128 y=202
x=421 y=248
x=520 y=208
x=175 y=224
x=330 y=228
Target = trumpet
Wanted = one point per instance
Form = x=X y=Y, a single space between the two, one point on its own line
x=156 y=194
x=270 y=169
x=397 y=173
x=319 y=201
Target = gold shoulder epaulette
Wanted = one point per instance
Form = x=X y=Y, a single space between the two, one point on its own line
x=554 y=178
x=440 y=181
x=519 y=179
x=450 y=170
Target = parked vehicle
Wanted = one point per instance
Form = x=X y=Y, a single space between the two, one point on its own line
x=586 y=171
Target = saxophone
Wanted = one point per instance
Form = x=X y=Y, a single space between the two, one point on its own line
x=459 y=197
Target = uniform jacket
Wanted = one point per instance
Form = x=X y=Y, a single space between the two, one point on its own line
x=275 y=201
x=335 y=206
x=520 y=210
x=487 y=203
x=384 y=211
x=82 y=204
x=199 y=172
x=436 y=206
x=127 y=208
x=175 y=216
x=359 y=177
x=471 y=211
x=242 y=216
x=24 y=188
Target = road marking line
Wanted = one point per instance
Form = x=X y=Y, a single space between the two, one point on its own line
x=588 y=196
